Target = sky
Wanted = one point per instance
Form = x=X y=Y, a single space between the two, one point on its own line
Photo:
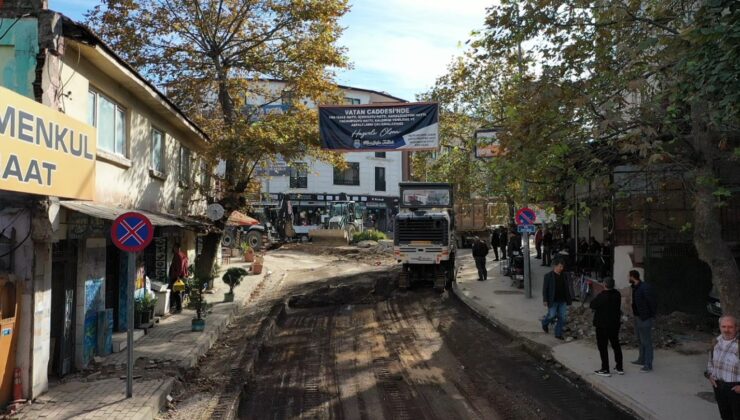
x=395 y=46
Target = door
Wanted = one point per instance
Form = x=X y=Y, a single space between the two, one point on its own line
x=63 y=280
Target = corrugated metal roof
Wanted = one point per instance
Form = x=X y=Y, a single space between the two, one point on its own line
x=110 y=212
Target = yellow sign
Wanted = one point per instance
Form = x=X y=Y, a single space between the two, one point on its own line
x=43 y=151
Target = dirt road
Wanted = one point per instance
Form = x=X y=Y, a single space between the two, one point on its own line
x=413 y=356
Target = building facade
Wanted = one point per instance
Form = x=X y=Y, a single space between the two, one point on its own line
x=69 y=279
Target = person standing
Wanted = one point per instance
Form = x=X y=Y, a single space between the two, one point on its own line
x=178 y=270
x=723 y=369
x=547 y=245
x=480 y=251
x=556 y=297
x=607 y=307
x=503 y=239
x=644 y=307
x=538 y=242
x=495 y=242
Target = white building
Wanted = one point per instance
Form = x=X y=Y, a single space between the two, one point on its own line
x=370 y=177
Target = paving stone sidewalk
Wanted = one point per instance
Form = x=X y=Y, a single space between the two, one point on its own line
x=171 y=341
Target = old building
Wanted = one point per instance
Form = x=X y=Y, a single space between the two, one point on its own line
x=132 y=150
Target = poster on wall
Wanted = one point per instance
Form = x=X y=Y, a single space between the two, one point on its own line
x=373 y=128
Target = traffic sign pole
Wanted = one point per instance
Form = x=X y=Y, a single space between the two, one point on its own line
x=526 y=216
x=131 y=269
x=131 y=232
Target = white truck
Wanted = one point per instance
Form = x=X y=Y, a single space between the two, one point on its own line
x=424 y=234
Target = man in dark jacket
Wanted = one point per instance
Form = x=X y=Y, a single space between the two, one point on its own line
x=480 y=251
x=503 y=239
x=495 y=242
x=644 y=307
x=547 y=243
x=556 y=296
x=538 y=242
x=607 y=308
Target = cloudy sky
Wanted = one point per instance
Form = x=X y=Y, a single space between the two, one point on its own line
x=396 y=46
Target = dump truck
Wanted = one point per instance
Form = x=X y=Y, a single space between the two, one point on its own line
x=474 y=218
x=345 y=218
x=424 y=234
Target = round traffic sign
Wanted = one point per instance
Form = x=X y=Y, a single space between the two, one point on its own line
x=525 y=216
x=132 y=232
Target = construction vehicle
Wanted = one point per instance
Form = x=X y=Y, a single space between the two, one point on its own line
x=424 y=234
x=473 y=218
x=345 y=218
x=275 y=224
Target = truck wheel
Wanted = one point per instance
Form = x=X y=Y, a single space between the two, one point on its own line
x=350 y=234
x=254 y=239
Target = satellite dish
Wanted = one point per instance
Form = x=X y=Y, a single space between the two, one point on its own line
x=214 y=211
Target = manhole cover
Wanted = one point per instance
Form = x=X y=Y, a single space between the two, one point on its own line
x=508 y=292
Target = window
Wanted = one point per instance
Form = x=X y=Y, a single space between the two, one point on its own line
x=157 y=151
x=380 y=155
x=205 y=175
x=352 y=101
x=349 y=176
x=110 y=120
x=298 y=175
x=184 y=165
x=379 y=179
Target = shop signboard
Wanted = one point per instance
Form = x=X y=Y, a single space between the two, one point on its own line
x=41 y=150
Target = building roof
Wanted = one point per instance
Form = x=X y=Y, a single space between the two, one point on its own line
x=376 y=92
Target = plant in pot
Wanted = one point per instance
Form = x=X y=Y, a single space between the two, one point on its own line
x=257 y=264
x=198 y=300
x=144 y=309
x=248 y=252
x=233 y=277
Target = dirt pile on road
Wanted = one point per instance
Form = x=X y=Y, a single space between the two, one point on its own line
x=368 y=287
x=373 y=255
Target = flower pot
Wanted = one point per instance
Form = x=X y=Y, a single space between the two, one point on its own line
x=144 y=317
x=256 y=268
x=249 y=256
x=137 y=319
x=228 y=297
x=198 y=324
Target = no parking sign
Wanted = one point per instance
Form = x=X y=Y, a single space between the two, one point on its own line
x=132 y=232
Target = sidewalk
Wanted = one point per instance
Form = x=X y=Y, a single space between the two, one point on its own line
x=671 y=391
x=170 y=346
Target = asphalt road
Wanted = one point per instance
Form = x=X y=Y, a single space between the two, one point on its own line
x=417 y=355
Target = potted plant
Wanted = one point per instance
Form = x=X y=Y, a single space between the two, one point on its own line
x=144 y=309
x=197 y=300
x=248 y=252
x=233 y=277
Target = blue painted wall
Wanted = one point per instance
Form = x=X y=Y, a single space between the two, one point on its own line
x=18 y=50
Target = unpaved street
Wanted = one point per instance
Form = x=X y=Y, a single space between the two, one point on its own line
x=416 y=355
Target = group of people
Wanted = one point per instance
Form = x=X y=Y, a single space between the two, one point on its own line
x=723 y=366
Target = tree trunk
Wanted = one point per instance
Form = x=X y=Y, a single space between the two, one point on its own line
x=205 y=261
x=710 y=246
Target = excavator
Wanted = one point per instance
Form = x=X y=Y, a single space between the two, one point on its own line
x=345 y=219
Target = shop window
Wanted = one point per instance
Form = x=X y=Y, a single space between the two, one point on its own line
x=379 y=179
x=298 y=175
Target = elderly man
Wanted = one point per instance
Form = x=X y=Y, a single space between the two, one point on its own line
x=723 y=369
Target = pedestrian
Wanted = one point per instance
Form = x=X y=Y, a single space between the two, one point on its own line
x=538 y=242
x=503 y=239
x=547 y=248
x=644 y=307
x=556 y=297
x=178 y=270
x=514 y=247
x=607 y=307
x=495 y=242
x=480 y=251
x=723 y=369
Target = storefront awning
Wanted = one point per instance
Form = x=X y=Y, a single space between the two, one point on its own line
x=110 y=212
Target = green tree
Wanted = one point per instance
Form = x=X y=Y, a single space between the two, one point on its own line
x=647 y=81
x=214 y=56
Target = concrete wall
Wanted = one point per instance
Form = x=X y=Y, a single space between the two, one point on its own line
x=625 y=259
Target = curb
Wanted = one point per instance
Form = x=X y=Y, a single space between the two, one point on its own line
x=539 y=350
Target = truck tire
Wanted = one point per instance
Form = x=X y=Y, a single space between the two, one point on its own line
x=254 y=239
x=350 y=234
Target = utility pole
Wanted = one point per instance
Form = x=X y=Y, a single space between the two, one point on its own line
x=525 y=236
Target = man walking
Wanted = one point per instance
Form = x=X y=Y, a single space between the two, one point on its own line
x=723 y=369
x=503 y=239
x=480 y=251
x=556 y=296
x=607 y=307
x=178 y=270
x=644 y=307
x=547 y=245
